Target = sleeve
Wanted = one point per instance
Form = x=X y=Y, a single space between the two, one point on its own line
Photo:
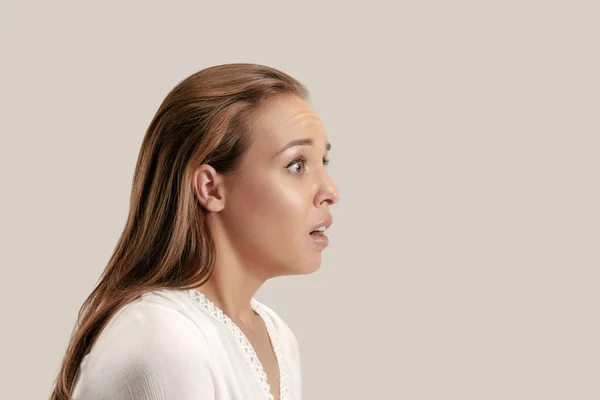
x=150 y=352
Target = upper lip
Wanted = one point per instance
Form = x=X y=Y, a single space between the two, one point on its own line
x=325 y=222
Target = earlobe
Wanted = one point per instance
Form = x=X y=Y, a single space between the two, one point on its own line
x=208 y=187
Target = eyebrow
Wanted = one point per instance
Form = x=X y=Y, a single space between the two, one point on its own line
x=300 y=142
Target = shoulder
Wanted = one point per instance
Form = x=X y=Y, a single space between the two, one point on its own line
x=151 y=323
x=148 y=347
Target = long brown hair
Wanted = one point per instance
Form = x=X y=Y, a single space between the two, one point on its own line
x=206 y=118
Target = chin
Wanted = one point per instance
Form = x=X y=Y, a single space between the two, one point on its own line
x=296 y=261
x=309 y=266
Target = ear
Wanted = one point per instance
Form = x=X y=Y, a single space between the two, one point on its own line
x=209 y=188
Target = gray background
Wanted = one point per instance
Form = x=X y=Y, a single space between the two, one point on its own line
x=463 y=261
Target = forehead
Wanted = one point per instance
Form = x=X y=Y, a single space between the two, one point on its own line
x=286 y=118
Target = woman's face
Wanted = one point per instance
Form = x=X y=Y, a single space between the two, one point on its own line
x=281 y=192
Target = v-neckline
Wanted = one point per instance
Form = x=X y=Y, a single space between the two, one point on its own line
x=249 y=353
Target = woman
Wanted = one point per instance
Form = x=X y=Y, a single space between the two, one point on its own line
x=229 y=190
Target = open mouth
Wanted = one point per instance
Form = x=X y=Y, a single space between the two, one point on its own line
x=318 y=237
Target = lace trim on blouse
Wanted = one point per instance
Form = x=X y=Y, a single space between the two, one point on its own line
x=249 y=354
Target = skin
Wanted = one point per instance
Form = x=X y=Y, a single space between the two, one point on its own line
x=261 y=217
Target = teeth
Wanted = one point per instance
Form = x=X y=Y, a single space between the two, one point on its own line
x=321 y=229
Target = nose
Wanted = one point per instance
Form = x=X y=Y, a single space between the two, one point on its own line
x=328 y=193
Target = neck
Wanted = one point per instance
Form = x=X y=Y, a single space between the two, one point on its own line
x=232 y=285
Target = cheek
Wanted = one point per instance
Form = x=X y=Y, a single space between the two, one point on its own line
x=276 y=209
x=280 y=204
x=272 y=220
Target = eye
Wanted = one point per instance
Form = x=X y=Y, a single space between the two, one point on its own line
x=299 y=161
x=302 y=161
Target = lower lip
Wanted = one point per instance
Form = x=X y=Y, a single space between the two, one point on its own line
x=320 y=240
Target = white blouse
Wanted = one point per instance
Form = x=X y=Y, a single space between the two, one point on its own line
x=177 y=345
